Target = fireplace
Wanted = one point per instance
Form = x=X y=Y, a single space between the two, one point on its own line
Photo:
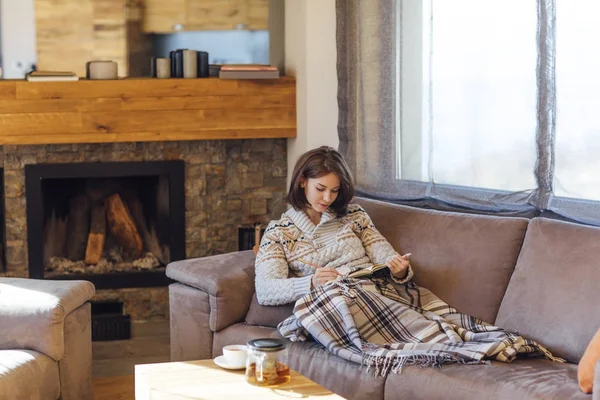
x=116 y=224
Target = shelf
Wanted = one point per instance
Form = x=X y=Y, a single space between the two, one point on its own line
x=146 y=109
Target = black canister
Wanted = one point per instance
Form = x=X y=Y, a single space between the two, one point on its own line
x=203 y=70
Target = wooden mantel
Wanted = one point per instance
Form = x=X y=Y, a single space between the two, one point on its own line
x=146 y=109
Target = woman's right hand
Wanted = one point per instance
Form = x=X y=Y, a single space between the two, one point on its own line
x=324 y=275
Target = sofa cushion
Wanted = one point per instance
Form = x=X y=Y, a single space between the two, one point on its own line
x=466 y=260
x=522 y=379
x=38 y=322
x=267 y=315
x=553 y=294
x=27 y=374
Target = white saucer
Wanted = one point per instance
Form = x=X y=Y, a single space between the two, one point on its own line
x=220 y=361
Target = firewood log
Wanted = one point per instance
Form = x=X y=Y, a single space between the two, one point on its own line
x=55 y=234
x=149 y=236
x=77 y=228
x=95 y=242
x=121 y=225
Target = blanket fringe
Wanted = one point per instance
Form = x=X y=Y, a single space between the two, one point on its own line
x=382 y=365
x=549 y=355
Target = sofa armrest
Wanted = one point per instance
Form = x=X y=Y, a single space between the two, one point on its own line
x=228 y=279
x=596 y=390
x=33 y=311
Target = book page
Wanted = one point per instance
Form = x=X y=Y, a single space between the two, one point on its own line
x=367 y=271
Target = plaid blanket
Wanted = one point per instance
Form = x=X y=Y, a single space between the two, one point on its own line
x=385 y=326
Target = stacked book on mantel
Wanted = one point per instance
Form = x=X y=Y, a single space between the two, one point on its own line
x=248 y=71
x=50 y=76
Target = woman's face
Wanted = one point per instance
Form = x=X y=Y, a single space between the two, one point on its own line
x=321 y=192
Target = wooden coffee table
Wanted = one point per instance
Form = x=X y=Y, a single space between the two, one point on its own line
x=205 y=380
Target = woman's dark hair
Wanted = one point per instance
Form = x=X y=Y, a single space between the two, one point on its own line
x=315 y=164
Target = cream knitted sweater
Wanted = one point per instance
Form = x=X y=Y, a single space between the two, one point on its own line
x=351 y=241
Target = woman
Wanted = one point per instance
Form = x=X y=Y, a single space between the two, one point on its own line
x=386 y=321
x=320 y=233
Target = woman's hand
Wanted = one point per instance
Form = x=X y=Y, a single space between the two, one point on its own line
x=324 y=275
x=399 y=265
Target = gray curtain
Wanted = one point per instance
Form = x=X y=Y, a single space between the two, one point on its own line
x=366 y=48
x=369 y=57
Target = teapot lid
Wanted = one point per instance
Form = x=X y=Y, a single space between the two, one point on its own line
x=267 y=344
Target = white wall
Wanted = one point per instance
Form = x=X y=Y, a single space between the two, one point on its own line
x=17 y=37
x=223 y=47
x=310 y=56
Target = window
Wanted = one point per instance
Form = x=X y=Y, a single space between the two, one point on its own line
x=469 y=84
x=577 y=100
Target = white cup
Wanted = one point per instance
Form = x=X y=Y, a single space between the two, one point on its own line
x=235 y=354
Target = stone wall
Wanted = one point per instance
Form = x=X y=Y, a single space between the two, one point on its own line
x=227 y=184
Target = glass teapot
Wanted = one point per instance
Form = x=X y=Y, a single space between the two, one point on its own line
x=264 y=365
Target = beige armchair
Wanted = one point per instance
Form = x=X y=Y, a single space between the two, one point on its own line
x=45 y=339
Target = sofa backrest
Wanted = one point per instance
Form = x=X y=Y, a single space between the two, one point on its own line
x=464 y=259
x=554 y=294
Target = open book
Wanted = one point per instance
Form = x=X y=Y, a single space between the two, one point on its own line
x=361 y=272
x=350 y=272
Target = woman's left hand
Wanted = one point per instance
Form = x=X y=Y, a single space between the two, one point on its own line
x=398 y=265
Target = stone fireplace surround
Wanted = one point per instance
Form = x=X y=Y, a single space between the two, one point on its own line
x=228 y=183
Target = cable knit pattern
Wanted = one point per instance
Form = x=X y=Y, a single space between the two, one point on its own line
x=351 y=242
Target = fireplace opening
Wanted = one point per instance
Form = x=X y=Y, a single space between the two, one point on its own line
x=115 y=224
x=103 y=225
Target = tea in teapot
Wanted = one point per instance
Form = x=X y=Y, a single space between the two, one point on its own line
x=264 y=366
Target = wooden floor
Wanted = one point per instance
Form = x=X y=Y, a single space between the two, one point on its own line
x=114 y=388
x=149 y=344
x=114 y=361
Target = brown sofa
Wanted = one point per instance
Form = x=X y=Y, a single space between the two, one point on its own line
x=537 y=277
x=45 y=339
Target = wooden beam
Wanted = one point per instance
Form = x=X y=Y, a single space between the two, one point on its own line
x=150 y=87
x=8 y=90
x=146 y=103
x=208 y=134
x=128 y=110
x=136 y=121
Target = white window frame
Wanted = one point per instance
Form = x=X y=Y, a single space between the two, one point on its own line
x=413 y=69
